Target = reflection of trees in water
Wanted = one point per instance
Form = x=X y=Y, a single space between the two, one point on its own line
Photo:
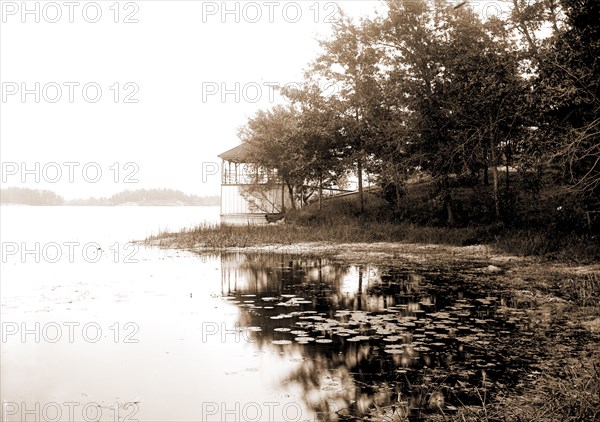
x=318 y=279
x=362 y=378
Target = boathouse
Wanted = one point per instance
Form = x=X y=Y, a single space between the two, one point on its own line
x=250 y=194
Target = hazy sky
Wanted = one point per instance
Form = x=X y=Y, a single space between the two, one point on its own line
x=99 y=93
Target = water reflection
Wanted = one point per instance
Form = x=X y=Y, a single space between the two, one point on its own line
x=381 y=343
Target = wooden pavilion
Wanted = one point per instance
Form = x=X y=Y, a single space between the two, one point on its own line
x=250 y=194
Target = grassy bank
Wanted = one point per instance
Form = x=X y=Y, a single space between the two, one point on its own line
x=520 y=242
x=347 y=231
x=549 y=226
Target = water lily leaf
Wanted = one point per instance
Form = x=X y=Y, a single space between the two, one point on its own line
x=281 y=342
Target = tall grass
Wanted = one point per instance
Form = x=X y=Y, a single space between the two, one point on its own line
x=345 y=231
x=572 y=395
x=579 y=249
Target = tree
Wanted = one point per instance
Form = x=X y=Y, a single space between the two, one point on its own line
x=350 y=63
x=299 y=143
x=319 y=132
x=456 y=93
x=483 y=95
x=568 y=89
x=276 y=145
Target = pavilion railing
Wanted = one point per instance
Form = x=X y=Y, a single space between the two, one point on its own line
x=243 y=174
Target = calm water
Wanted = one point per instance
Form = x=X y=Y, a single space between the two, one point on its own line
x=95 y=328
x=382 y=343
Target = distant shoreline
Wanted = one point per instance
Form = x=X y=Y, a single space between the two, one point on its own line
x=10 y=204
x=140 y=197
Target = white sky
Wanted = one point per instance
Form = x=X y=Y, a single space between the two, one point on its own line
x=177 y=55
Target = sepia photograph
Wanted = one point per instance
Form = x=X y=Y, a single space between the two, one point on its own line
x=300 y=211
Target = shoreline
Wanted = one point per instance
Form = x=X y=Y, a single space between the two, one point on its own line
x=378 y=252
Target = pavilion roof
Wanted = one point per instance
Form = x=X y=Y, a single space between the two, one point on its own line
x=238 y=154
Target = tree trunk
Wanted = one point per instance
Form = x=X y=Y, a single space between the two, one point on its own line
x=507 y=166
x=398 y=195
x=523 y=27
x=496 y=193
x=397 y=180
x=552 y=6
x=486 y=178
x=448 y=203
x=320 y=193
x=360 y=185
x=449 y=209
x=291 y=193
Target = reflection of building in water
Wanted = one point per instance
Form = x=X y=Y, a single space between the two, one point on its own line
x=251 y=273
x=271 y=274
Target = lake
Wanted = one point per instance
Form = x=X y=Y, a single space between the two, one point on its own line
x=97 y=328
